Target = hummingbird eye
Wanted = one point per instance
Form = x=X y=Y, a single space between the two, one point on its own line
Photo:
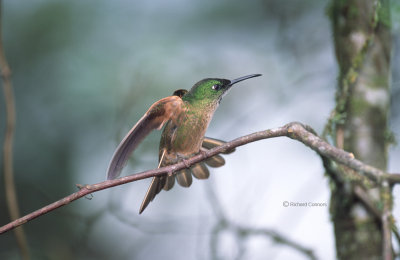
x=216 y=87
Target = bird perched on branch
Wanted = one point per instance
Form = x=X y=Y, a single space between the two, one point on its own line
x=186 y=116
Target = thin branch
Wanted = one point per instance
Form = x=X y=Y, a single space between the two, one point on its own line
x=367 y=201
x=397 y=236
x=293 y=130
x=11 y=194
x=299 y=132
x=278 y=238
x=393 y=178
x=386 y=221
x=243 y=232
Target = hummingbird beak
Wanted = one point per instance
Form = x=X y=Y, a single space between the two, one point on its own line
x=232 y=82
x=243 y=78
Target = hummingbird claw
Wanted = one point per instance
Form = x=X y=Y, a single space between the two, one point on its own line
x=185 y=162
x=203 y=151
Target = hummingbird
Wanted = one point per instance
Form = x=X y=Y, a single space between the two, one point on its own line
x=186 y=116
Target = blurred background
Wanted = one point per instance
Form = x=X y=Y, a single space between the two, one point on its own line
x=85 y=71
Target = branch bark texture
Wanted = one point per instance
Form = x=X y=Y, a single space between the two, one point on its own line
x=293 y=130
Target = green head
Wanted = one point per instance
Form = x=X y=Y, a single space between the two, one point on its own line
x=212 y=90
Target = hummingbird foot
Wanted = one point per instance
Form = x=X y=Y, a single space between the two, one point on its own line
x=203 y=151
x=185 y=162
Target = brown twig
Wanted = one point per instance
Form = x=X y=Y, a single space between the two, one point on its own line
x=316 y=143
x=11 y=194
x=293 y=130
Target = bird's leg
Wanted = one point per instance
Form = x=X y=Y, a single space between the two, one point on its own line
x=184 y=160
x=203 y=151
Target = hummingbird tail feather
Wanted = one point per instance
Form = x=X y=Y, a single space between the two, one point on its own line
x=169 y=183
x=200 y=171
x=215 y=161
x=184 y=177
x=210 y=143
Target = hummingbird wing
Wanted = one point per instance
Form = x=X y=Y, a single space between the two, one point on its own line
x=210 y=143
x=200 y=170
x=165 y=109
x=216 y=160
